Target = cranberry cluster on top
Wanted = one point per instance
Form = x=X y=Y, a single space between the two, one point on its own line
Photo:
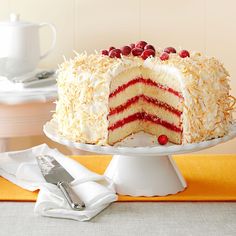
x=142 y=49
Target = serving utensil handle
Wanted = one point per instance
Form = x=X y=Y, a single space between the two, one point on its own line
x=74 y=201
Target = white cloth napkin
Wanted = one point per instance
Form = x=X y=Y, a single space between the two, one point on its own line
x=95 y=190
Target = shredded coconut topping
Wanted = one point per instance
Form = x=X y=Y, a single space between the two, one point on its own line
x=84 y=87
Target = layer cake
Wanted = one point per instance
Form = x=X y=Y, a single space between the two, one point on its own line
x=104 y=98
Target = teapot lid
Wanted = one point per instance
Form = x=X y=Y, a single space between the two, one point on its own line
x=15 y=21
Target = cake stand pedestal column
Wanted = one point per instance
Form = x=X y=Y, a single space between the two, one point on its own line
x=145 y=175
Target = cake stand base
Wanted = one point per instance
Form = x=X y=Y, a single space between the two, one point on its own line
x=141 y=167
x=145 y=175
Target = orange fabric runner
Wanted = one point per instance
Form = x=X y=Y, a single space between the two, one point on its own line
x=209 y=178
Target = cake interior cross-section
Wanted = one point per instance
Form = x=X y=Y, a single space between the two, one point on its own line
x=140 y=101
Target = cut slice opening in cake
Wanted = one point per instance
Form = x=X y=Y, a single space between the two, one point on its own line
x=141 y=100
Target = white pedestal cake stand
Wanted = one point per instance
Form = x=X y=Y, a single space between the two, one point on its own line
x=140 y=166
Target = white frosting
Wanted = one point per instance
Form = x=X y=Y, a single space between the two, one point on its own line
x=84 y=87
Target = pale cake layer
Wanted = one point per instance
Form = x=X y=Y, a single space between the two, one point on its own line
x=124 y=131
x=161 y=76
x=124 y=77
x=157 y=130
x=146 y=126
x=143 y=106
x=147 y=90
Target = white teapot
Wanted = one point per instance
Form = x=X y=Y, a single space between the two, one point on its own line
x=20 y=47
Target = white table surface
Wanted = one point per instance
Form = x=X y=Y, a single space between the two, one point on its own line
x=218 y=219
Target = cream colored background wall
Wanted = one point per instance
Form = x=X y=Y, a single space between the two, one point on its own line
x=208 y=26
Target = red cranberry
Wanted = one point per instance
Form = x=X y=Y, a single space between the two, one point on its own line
x=137 y=51
x=184 y=53
x=164 y=56
x=147 y=53
x=170 y=50
x=126 y=50
x=105 y=52
x=141 y=44
x=111 y=48
x=149 y=46
x=115 y=53
x=132 y=45
x=162 y=139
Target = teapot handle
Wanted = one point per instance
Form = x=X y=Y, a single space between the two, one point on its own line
x=54 y=33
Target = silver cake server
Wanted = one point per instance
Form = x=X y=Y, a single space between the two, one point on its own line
x=54 y=173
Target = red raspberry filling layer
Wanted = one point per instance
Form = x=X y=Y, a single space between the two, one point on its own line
x=153 y=101
x=145 y=81
x=146 y=117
